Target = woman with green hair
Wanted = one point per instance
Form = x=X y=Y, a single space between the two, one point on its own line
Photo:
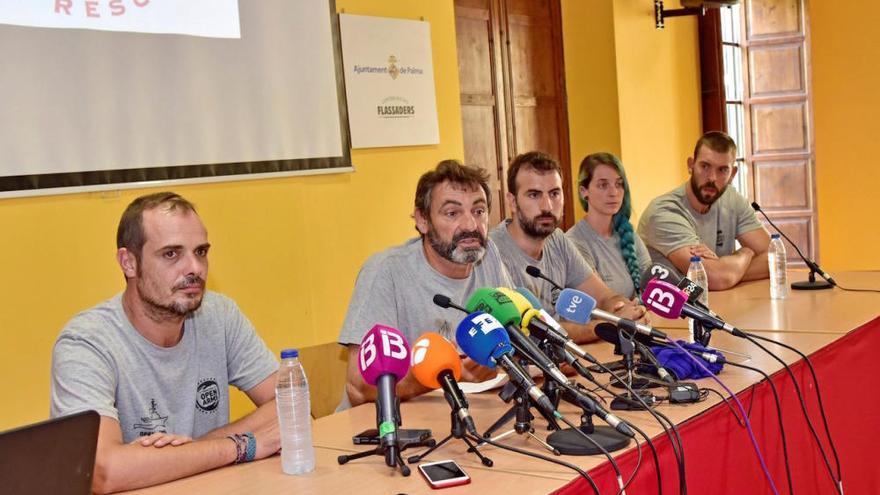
x=605 y=236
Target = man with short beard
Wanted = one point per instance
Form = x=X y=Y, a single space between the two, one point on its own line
x=703 y=217
x=451 y=256
x=156 y=361
x=532 y=237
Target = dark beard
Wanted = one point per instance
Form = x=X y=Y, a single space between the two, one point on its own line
x=451 y=252
x=159 y=312
x=531 y=227
x=696 y=189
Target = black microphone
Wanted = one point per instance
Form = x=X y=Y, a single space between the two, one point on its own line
x=534 y=271
x=812 y=283
x=445 y=302
x=611 y=334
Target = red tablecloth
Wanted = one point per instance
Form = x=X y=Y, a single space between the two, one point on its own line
x=720 y=459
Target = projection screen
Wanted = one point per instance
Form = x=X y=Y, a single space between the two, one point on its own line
x=87 y=108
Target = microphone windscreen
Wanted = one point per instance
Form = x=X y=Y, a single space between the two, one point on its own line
x=496 y=304
x=441 y=300
x=482 y=337
x=522 y=304
x=660 y=271
x=574 y=305
x=384 y=350
x=664 y=299
x=608 y=332
x=530 y=297
x=756 y=206
x=431 y=354
x=533 y=271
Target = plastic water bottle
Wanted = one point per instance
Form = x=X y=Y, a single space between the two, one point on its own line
x=778 y=275
x=294 y=415
x=697 y=273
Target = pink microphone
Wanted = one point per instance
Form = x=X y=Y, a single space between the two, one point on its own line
x=384 y=350
x=664 y=299
x=383 y=360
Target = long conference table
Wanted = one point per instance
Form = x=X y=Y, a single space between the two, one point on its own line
x=839 y=330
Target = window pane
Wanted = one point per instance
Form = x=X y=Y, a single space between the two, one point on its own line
x=726 y=25
x=735 y=19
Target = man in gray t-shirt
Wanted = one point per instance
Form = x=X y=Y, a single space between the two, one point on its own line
x=532 y=237
x=705 y=218
x=452 y=257
x=156 y=361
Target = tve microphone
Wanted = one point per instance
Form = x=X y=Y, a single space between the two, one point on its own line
x=579 y=307
x=484 y=339
x=383 y=360
x=668 y=301
x=814 y=268
x=499 y=305
x=435 y=364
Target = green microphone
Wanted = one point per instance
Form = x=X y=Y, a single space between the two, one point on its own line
x=502 y=308
x=495 y=303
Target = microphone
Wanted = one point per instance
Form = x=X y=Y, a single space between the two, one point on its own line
x=543 y=326
x=668 y=301
x=579 y=307
x=484 y=339
x=435 y=364
x=814 y=268
x=534 y=271
x=383 y=360
x=690 y=288
x=445 y=302
x=499 y=305
x=571 y=393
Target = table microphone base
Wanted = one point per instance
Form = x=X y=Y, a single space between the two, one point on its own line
x=808 y=285
x=570 y=442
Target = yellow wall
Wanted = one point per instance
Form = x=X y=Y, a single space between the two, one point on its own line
x=632 y=90
x=287 y=250
x=846 y=78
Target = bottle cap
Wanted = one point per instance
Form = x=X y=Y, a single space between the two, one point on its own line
x=695 y=259
x=774 y=236
x=289 y=353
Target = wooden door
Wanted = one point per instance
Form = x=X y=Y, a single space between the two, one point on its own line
x=780 y=149
x=512 y=87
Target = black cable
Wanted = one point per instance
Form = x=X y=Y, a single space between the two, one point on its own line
x=598 y=446
x=674 y=438
x=818 y=398
x=856 y=290
x=779 y=418
x=656 y=458
x=726 y=401
x=803 y=405
x=636 y=470
x=537 y=456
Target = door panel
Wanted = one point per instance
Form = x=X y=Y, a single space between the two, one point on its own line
x=781 y=152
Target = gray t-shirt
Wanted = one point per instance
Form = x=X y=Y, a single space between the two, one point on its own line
x=669 y=223
x=101 y=362
x=560 y=262
x=605 y=257
x=397 y=286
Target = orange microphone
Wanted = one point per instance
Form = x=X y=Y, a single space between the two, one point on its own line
x=435 y=364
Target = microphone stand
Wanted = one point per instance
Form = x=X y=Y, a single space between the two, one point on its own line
x=637 y=384
x=811 y=283
x=457 y=430
x=392 y=454
x=568 y=441
x=520 y=410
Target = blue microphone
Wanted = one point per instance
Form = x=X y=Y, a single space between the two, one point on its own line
x=549 y=329
x=484 y=339
x=579 y=307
